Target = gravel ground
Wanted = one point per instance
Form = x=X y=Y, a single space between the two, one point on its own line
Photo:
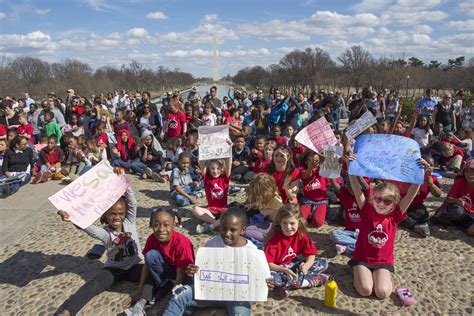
x=41 y=269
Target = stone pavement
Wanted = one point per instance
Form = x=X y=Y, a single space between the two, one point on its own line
x=42 y=262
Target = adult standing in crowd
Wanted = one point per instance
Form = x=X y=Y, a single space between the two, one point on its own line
x=444 y=113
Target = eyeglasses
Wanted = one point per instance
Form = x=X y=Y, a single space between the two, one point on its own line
x=385 y=201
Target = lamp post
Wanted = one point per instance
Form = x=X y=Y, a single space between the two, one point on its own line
x=406 y=92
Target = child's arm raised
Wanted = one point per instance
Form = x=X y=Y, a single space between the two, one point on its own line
x=356 y=187
x=228 y=163
x=406 y=201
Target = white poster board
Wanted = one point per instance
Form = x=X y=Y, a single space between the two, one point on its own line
x=91 y=195
x=317 y=135
x=331 y=168
x=360 y=125
x=231 y=274
x=213 y=142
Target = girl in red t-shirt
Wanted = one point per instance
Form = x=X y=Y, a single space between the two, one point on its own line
x=167 y=255
x=263 y=162
x=372 y=260
x=287 y=239
x=458 y=207
x=25 y=129
x=282 y=169
x=313 y=205
x=216 y=179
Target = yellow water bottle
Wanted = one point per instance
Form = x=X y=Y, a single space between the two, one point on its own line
x=330 y=293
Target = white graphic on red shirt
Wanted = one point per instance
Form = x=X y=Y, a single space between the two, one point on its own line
x=353 y=212
x=467 y=201
x=289 y=255
x=314 y=184
x=378 y=238
x=217 y=192
x=173 y=123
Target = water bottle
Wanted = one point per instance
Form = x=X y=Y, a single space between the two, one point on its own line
x=330 y=293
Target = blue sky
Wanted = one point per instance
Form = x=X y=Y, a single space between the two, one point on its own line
x=178 y=34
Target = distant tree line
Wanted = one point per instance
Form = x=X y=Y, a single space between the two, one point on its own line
x=312 y=69
x=38 y=77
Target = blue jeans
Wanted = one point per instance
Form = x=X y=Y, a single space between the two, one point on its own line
x=135 y=164
x=344 y=237
x=181 y=200
x=160 y=270
x=184 y=298
x=336 y=114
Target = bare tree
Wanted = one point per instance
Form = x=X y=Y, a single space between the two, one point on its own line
x=356 y=62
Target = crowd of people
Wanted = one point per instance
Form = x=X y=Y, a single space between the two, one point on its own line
x=61 y=139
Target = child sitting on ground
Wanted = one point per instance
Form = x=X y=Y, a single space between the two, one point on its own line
x=172 y=153
x=167 y=255
x=240 y=157
x=288 y=238
x=452 y=157
x=51 y=158
x=185 y=186
x=216 y=179
x=231 y=229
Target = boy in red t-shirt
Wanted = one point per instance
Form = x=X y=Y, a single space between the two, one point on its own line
x=25 y=129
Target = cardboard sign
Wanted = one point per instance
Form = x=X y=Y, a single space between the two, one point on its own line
x=213 y=142
x=360 y=125
x=388 y=157
x=317 y=135
x=231 y=274
x=91 y=195
x=331 y=168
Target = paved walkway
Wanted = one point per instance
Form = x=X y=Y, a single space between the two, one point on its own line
x=42 y=262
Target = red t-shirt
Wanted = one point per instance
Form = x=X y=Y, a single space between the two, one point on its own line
x=175 y=123
x=216 y=190
x=280 y=140
x=351 y=210
x=423 y=192
x=279 y=180
x=297 y=151
x=28 y=129
x=234 y=120
x=461 y=189
x=51 y=157
x=376 y=241
x=178 y=252
x=260 y=165
x=314 y=186
x=282 y=249
x=103 y=139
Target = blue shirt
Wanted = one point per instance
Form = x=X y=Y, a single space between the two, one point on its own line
x=426 y=106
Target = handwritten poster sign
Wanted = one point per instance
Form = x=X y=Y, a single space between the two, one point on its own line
x=317 y=135
x=331 y=168
x=213 y=142
x=231 y=274
x=388 y=157
x=360 y=125
x=91 y=195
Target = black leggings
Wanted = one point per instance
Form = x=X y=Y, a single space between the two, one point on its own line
x=416 y=215
x=102 y=281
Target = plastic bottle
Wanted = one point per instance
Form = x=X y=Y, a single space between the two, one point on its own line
x=330 y=293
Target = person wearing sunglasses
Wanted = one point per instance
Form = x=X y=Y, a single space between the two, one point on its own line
x=380 y=213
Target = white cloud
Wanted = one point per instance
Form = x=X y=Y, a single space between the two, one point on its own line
x=412 y=17
x=466 y=25
x=467 y=7
x=423 y=28
x=189 y=53
x=42 y=11
x=210 y=18
x=33 y=40
x=137 y=32
x=2 y=15
x=158 y=15
x=371 y=5
x=99 y=5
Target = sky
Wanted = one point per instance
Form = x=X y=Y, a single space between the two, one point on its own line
x=178 y=34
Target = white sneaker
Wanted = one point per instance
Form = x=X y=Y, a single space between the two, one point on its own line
x=137 y=310
x=204 y=228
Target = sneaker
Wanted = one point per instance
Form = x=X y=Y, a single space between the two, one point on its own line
x=341 y=249
x=155 y=176
x=37 y=178
x=317 y=280
x=422 y=229
x=45 y=176
x=203 y=228
x=66 y=180
x=198 y=194
x=137 y=310
x=148 y=173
